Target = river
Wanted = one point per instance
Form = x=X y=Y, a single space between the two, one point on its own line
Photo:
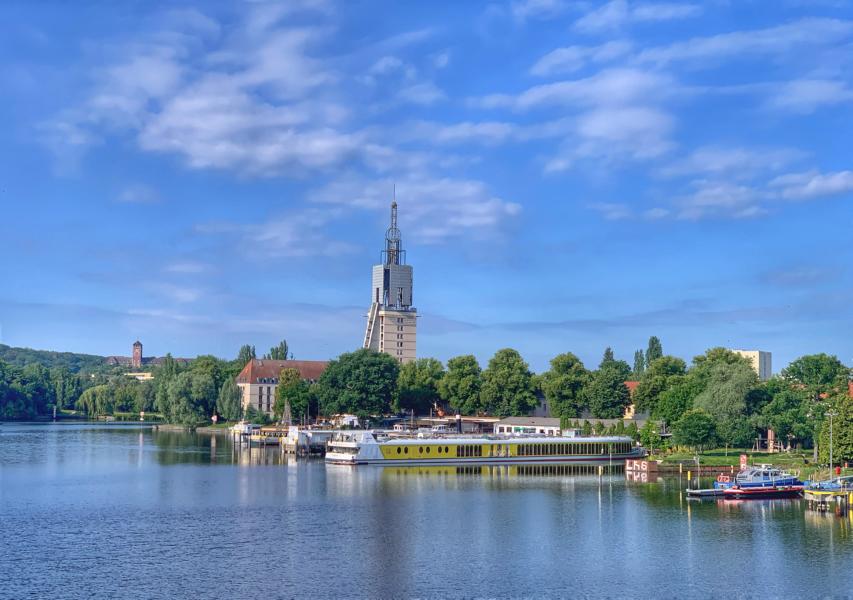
x=111 y=510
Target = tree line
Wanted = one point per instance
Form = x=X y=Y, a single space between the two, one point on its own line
x=717 y=399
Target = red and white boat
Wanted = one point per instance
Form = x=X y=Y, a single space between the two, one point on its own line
x=769 y=491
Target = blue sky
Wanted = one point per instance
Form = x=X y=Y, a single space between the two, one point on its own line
x=570 y=175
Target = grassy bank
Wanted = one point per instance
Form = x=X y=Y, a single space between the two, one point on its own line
x=794 y=461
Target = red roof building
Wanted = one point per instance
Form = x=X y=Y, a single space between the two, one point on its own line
x=259 y=371
x=259 y=378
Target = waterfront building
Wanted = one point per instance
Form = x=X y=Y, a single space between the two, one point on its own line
x=392 y=319
x=259 y=379
x=760 y=361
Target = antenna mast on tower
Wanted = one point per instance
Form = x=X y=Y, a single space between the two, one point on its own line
x=394 y=253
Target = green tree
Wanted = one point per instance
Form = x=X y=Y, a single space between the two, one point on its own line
x=695 y=429
x=677 y=399
x=363 y=383
x=228 y=402
x=705 y=363
x=819 y=376
x=279 y=352
x=607 y=358
x=96 y=401
x=418 y=385
x=787 y=413
x=660 y=375
x=246 y=354
x=563 y=385
x=649 y=436
x=508 y=385
x=210 y=366
x=842 y=431
x=294 y=390
x=186 y=399
x=639 y=364
x=818 y=373
x=654 y=351
x=460 y=386
x=724 y=398
x=606 y=394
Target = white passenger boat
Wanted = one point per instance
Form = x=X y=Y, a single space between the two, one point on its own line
x=370 y=447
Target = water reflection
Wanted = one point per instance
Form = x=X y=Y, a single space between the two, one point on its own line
x=161 y=513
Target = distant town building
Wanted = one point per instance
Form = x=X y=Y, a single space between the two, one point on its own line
x=392 y=320
x=141 y=376
x=137 y=361
x=259 y=379
x=760 y=361
x=538 y=425
x=551 y=425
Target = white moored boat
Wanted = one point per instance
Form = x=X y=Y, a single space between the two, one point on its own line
x=369 y=447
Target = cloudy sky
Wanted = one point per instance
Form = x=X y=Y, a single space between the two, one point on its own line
x=570 y=175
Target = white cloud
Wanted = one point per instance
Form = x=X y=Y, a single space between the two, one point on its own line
x=574 y=58
x=523 y=10
x=788 y=38
x=807 y=95
x=620 y=13
x=177 y=293
x=256 y=101
x=441 y=59
x=616 y=133
x=812 y=184
x=298 y=234
x=187 y=267
x=720 y=199
x=611 y=86
x=613 y=211
x=433 y=209
x=216 y=124
x=733 y=162
x=484 y=132
x=139 y=194
x=385 y=65
x=424 y=93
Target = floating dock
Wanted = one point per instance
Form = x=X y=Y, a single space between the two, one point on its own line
x=704 y=493
x=829 y=500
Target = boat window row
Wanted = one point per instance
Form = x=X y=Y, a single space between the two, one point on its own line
x=468 y=450
x=574 y=449
x=421 y=450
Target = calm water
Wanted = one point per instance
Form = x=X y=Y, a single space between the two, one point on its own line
x=120 y=511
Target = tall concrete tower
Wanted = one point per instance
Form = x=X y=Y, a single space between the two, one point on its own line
x=391 y=322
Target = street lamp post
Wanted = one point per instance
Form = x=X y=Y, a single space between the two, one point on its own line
x=830 y=414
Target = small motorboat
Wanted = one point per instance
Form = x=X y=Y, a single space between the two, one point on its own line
x=763 y=476
x=837 y=484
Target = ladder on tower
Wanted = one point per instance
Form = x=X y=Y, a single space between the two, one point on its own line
x=371 y=323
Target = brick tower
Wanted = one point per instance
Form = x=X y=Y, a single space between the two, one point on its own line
x=136 y=361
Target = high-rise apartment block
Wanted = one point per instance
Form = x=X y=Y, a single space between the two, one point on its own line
x=760 y=360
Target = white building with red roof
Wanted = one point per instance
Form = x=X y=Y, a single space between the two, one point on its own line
x=259 y=379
